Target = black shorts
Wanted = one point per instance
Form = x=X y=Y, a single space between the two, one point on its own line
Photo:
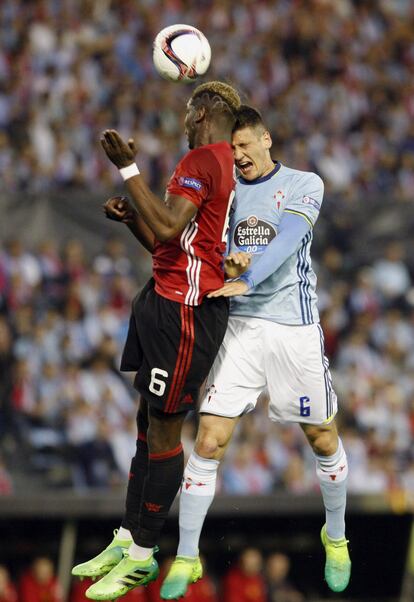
x=172 y=347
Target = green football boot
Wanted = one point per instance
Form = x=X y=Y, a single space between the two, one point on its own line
x=105 y=561
x=184 y=570
x=338 y=563
x=126 y=575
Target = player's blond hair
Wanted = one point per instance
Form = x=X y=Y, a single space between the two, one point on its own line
x=225 y=92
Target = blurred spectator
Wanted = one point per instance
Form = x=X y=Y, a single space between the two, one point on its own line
x=6 y=483
x=6 y=363
x=391 y=275
x=245 y=582
x=244 y=474
x=39 y=583
x=114 y=260
x=365 y=296
x=8 y=592
x=279 y=589
x=89 y=451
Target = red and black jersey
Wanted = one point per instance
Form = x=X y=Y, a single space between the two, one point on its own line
x=189 y=266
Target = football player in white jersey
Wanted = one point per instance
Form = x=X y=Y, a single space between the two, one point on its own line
x=273 y=343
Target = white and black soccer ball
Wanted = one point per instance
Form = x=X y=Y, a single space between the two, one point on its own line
x=181 y=53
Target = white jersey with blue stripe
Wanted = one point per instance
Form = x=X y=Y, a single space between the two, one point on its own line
x=288 y=296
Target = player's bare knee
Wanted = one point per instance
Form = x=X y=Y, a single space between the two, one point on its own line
x=214 y=435
x=325 y=443
x=207 y=446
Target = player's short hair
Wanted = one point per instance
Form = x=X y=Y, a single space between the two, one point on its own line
x=248 y=117
x=218 y=98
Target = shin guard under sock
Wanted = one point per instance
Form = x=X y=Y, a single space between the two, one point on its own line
x=137 y=474
x=161 y=484
x=332 y=474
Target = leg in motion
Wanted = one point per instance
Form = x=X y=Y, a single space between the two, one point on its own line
x=165 y=470
x=105 y=561
x=197 y=494
x=332 y=470
x=137 y=474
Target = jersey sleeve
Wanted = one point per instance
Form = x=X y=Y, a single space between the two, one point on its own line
x=306 y=199
x=194 y=176
x=292 y=230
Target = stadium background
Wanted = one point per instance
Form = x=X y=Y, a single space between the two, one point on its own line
x=334 y=81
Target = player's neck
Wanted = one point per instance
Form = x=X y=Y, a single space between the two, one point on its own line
x=212 y=135
x=267 y=168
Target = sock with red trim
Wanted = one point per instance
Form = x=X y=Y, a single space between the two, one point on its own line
x=197 y=493
x=137 y=474
x=332 y=473
x=160 y=488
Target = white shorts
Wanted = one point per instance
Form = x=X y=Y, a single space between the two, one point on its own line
x=288 y=361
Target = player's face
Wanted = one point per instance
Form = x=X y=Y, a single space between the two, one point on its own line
x=190 y=124
x=251 y=148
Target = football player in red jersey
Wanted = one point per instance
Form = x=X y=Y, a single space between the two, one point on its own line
x=175 y=331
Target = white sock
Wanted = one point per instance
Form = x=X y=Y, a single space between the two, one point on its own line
x=124 y=534
x=197 y=493
x=332 y=473
x=138 y=552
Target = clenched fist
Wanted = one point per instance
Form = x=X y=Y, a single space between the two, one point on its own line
x=119 y=209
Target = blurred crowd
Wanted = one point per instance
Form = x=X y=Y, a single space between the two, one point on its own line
x=68 y=415
x=333 y=79
x=335 y=83
x=252 y=578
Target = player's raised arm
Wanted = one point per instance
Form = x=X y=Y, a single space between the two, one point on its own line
x=165 y=220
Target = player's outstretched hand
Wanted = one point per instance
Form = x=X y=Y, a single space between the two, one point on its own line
x=236 y=264
x=230 y=289
x=119 y=209
x=119 y=152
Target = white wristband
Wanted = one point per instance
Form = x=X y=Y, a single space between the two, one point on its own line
x=129 y=171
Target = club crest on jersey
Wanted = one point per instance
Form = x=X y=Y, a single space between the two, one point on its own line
x=308 y=200
x=279 y=196
x=190 y=182
x=252 y=235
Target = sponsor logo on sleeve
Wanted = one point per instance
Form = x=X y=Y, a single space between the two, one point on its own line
x=308 y=200
x=190 y=182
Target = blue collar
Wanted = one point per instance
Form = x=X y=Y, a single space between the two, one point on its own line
x=263 y=178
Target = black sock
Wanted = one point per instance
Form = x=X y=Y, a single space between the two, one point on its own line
x=160 y=488
x=137 y=474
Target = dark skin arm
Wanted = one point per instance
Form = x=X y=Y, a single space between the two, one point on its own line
x=119 y=209
x=165 y=219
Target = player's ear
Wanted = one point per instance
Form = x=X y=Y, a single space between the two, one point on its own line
x=200 y=114
x=267 y=140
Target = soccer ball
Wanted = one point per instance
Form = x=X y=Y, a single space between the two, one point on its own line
x=181 y=53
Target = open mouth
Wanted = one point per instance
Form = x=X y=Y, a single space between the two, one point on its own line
x=245 y=167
